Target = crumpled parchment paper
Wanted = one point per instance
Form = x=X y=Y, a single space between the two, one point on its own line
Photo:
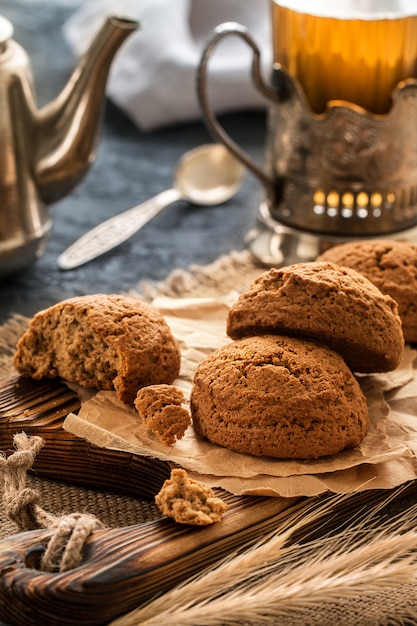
x=386 y=458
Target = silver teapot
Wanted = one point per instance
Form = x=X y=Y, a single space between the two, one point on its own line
x=45 y=152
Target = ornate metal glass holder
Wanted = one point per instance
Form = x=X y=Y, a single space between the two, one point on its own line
x=332 y=177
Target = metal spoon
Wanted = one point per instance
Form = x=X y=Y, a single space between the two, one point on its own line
x=207 y=175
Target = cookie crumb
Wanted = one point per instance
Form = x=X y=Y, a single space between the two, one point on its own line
x=189 y=502
x=161 y=407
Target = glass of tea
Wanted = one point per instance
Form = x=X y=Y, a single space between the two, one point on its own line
x=341 y=137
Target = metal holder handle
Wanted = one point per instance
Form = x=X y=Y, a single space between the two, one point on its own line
x=219 y=33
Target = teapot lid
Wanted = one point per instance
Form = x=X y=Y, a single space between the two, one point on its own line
x=6 y=31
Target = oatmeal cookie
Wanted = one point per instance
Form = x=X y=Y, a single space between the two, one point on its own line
x=277 y=396
x=102 y=341
x=390 y=265
x=323 y=301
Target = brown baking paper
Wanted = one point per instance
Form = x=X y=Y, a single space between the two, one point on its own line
x=386 y=458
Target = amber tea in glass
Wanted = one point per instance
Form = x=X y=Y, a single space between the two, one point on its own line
x=359 y=60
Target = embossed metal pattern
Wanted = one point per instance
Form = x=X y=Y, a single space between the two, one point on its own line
x=347 y=170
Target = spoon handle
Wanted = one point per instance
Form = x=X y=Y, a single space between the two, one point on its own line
x=115 y=230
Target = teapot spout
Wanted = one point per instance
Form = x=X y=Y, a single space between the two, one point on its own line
x=68 y=127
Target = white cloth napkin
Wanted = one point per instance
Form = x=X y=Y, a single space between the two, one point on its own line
x=153 y=77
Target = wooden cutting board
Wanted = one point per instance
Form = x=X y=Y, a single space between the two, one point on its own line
x=124 y=567
x=39 y=408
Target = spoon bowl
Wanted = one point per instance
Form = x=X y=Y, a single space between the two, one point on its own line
x=208 y=175
x=205 y=176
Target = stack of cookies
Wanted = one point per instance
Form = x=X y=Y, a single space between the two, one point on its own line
x=285 y=387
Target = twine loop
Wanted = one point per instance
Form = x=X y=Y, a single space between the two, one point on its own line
x=64 y=550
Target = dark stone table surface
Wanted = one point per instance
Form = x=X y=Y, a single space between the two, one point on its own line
x=131 y=166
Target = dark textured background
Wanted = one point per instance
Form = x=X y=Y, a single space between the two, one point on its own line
x=131 y=166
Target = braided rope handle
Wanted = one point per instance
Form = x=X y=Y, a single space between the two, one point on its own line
x=64 y=549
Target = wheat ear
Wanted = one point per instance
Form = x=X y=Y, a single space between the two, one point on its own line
x=276 y=580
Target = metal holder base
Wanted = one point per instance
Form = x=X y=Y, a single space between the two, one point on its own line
x=274 y=244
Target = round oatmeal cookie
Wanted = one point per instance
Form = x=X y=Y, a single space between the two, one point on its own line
x=323 y=301
x=102 y=341
x=390 y=265
x=277 y=396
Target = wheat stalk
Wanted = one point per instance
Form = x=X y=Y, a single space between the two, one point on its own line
x=275 y=579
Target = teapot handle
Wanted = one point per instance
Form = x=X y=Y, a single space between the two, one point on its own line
x=219 y=33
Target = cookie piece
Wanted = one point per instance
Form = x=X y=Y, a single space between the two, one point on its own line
x=390 y=265
x=160 y=406
x=277 y=396
x=323 y=301
x=101 y=341
x=188 y=501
